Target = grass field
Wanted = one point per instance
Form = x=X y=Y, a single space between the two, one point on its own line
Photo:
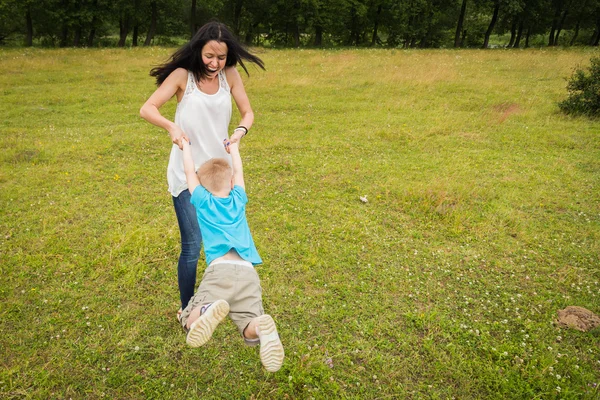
x=482 y=220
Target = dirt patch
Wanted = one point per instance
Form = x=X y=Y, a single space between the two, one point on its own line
x=577 y=318
x=505 y=110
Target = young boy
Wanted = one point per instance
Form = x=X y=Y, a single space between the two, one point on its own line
x=230 y=284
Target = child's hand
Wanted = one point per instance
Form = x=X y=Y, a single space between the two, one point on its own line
x=177 y=136
x=229 y=144
x=236 y=137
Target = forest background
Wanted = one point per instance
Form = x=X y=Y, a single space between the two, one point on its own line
x=304 y=23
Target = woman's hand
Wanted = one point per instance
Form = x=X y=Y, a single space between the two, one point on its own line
x=177 y=135
x=236 y=136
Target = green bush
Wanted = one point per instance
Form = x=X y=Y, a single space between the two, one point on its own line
x=584 y=91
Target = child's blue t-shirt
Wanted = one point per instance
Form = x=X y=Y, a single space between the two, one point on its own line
x=223 y=224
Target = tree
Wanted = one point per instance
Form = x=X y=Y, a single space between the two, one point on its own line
x=459 y=25
x=490 y=29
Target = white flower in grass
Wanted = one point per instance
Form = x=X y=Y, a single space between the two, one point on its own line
x=558 y=389
x=363 y=198
x=137 y=348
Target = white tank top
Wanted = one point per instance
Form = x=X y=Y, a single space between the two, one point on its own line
x=205 y=120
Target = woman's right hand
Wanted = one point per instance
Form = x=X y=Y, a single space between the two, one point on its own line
x=177 y=135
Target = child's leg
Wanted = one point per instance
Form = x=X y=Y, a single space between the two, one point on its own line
x=204 y=322
x=248 y=315
x=271 y=349
x=194 y=314
x=206 y=309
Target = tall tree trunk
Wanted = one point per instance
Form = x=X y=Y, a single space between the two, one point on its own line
x=560 y=25
x=90 y=40
x=77 y=36
x=354 y=35
x=134 y=37
x=193 y=19
x=459 y=26
x=123 y=30
x=296 y=35
x=407 y=37
x=376 y=25
x=519 y=34
x=318 y=36
x=551 y=41
x=136 y=23
x=29 y=21
x=64 y=34
x=595 y=40
x=78 y=27
x=513 y=34
x=153 y=19
x=463 y=38
x=527 y=37
x=490 y=29
x=237 y=17
x=576 y=33
x=427 y=36
x=249 y=35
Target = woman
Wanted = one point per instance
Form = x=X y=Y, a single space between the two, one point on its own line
x=203 y=76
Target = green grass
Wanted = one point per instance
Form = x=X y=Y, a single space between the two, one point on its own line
x=482 y=221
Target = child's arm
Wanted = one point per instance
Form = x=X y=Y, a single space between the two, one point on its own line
x=236 y=162
x=188 y=166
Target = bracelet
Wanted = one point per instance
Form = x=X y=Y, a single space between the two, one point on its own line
x=241 y=128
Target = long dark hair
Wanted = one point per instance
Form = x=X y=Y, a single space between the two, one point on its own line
x=189 y=56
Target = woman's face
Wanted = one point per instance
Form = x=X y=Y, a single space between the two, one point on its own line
x=214 y=55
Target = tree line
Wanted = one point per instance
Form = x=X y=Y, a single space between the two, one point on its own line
x=385 y=23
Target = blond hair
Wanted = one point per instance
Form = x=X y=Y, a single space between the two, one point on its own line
x=215 y=174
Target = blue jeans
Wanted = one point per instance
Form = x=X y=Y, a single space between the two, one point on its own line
x=191 y=240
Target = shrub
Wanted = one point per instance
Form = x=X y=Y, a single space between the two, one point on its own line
x=584 y=91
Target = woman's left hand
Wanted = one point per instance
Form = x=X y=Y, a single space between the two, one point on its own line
x=236 y=137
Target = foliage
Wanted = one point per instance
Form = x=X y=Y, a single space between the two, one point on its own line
x=584 y=91
x=481 y=221
x=302 y=23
